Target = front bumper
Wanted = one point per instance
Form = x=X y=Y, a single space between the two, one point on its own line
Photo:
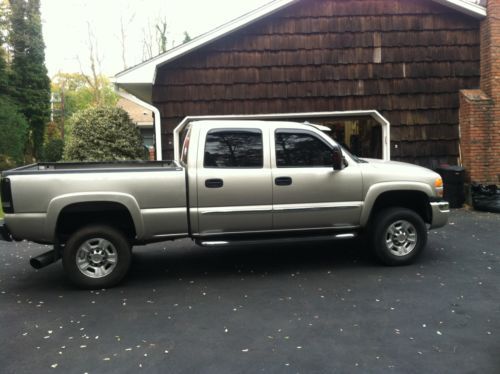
x=440 y=213
x=4 y=232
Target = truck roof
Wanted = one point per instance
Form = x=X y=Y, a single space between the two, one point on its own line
x=247 y=123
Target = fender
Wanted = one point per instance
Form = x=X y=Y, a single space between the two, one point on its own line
x=57 y=204
x=377 y=189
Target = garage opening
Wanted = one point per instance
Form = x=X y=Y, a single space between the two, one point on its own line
x=360 y=136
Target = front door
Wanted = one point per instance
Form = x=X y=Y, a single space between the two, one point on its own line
x=307 y=192
x=234 y=181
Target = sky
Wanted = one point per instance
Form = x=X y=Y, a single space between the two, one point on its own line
x=66 y=25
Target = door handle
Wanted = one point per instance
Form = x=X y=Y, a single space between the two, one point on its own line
x=214 y=183
x=283 y=181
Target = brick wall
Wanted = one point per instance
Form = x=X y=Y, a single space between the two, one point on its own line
x=479 y=113
x=475 y=127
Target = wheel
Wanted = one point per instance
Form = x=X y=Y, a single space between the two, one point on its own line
x=96 y=256
x=399 y=235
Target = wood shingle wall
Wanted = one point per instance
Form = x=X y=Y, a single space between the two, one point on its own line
x=406 y=58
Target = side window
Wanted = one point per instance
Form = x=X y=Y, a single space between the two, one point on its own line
x=229 y=148
x=301 y=149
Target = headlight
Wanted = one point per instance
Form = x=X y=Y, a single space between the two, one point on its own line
x=438 y=186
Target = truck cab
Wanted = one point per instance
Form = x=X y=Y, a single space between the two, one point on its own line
x=255 y=177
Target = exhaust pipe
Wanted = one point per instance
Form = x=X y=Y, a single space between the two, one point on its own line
x=44 y=259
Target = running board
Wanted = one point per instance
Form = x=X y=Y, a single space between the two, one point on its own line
x=285 y=240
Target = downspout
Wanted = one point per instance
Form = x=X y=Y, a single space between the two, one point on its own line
x=157 y=119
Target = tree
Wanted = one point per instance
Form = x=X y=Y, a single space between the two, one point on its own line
x=103 y=134
x=13 y=130
x=154 y=38
x=4 y=12
x=123 y=38
x=94 y=79
x=73 y=93
x=161 y=35
x=187 y=37
x=13 y=126
x=28 y=82
x=53 y=142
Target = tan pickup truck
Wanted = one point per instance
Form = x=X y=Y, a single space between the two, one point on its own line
x=235 y=182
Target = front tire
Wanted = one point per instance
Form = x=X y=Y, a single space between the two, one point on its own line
x=399 y=236
x=96 y=256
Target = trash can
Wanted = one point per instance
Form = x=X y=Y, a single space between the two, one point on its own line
x=453 y=181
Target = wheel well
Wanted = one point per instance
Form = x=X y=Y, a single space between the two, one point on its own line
x=77 y=215
x=414 y=200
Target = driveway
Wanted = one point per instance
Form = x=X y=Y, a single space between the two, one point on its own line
x=301 y=309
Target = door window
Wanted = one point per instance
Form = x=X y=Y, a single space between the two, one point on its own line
x=228 y=148
x=301 y=149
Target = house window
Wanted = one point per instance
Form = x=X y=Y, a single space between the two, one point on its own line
x=228 y=148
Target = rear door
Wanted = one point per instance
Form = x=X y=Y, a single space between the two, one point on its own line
x=234 y=181
x=307 y=192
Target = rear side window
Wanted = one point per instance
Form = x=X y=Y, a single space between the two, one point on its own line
x=301 y=149
x=229 y=148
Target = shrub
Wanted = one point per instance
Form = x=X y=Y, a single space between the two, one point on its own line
x=53 y=150
x=13 y=135
x=53 y=143
x=103 y=134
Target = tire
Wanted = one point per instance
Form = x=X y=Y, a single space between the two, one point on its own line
x=96 y=256
x=399 y=236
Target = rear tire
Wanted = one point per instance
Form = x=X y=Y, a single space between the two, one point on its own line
x=399 y=236
x=96 y=256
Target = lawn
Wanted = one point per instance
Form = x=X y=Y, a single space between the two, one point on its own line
x=1 y=211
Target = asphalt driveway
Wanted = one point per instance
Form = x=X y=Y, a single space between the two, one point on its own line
x=302 y=309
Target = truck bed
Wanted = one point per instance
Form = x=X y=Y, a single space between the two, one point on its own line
x=43 y=167
x=153 y=192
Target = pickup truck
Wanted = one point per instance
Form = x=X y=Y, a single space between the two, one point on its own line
x=236 y=182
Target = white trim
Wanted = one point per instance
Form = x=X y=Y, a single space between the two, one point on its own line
x=157 y=121
x=247 y=209
x=467 y=7
x=386 y=125
x=316 y=206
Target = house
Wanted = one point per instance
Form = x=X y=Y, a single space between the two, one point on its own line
x=429 y=67
x=142 y=118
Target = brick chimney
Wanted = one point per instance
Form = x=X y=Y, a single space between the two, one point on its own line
x=479 y=113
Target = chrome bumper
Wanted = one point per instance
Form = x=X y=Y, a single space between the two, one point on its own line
x=4 y=232
x=440 y=213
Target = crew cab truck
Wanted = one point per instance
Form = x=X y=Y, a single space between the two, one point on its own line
x=235 y=182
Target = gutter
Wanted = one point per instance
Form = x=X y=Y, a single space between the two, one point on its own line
x=467 y=7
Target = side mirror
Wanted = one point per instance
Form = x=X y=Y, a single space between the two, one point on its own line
x=337 y=159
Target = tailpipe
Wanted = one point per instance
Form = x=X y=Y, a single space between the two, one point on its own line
x=44 y=259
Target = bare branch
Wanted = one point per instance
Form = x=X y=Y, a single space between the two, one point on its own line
x=123 y=38
x=147 y=42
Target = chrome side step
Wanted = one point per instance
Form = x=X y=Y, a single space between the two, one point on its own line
x=284 y=240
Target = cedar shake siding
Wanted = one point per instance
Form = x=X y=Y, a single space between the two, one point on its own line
x=408 y=59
